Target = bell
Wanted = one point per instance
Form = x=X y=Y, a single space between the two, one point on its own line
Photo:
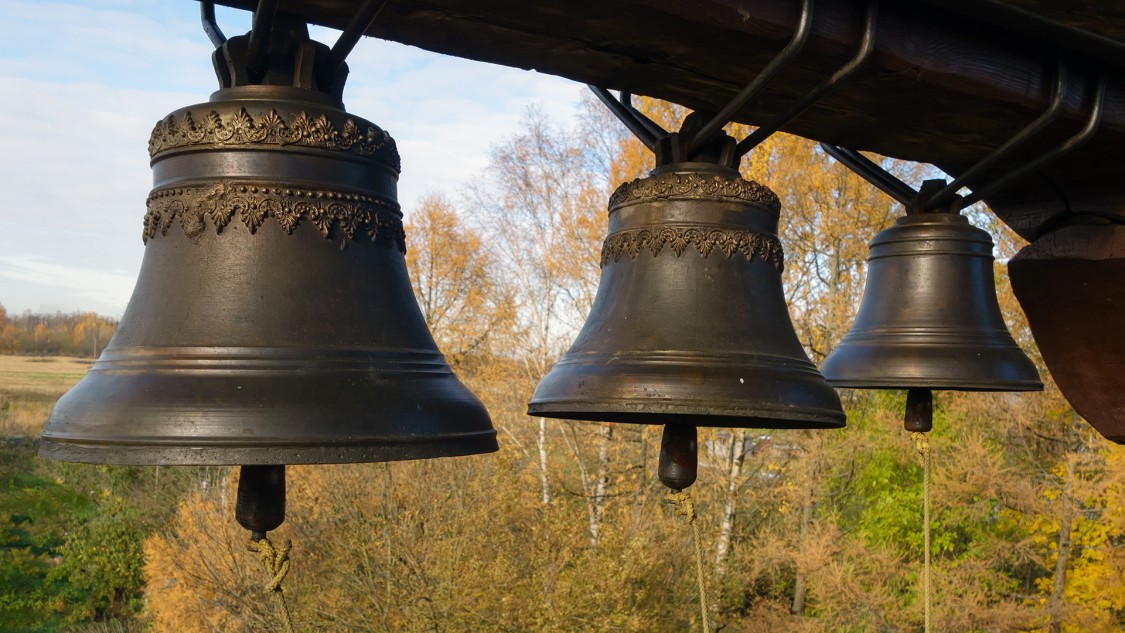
x=929 y=318
x=273 y=321
x=689 y=325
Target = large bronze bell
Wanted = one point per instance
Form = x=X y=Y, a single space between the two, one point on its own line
x=689 y=325
x=929 y=318
x=273 y=321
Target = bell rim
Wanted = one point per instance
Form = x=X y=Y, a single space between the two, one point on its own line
x=661 y=413
x=340 y=407
x=941 y=384
x=343 y=452
x=996 y=368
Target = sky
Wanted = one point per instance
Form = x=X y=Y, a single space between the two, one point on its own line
x=83 y=82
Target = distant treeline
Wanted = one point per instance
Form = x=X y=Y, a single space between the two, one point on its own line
x=71 y=334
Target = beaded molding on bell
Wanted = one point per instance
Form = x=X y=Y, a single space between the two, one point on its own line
x=241 y=128
x=333 y=213
x=705 y=239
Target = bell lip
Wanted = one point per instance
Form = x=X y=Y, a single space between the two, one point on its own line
x=336 y=406
x=662 y=413
x=675 y=386
x=936 y=384
x=861 y=365
x=371 y=450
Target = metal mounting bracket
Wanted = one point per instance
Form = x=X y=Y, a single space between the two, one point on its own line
x=946 y=198
x=652 y=135
x=245 y=59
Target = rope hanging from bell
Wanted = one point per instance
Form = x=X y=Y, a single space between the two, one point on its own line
x=276 y=562
x=919 y=420
x=679 y=463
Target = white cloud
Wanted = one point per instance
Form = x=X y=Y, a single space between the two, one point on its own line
x=50 y=286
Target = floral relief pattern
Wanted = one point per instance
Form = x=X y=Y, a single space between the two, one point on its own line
x=676 y=185
x=242 y=129
x=704 y=239
x=331 y=212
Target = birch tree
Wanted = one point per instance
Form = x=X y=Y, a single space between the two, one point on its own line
x=539 y=206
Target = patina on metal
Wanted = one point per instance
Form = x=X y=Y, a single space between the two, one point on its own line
x=273 y=321
x=690 y=325
x=929 y=316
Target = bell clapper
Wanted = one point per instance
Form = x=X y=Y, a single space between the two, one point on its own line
x=919 y=416
x=260 y=506
x=679 y=459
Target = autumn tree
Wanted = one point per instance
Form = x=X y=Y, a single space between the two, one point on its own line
x=74 y=334
x=542 y=211
x=455 y=281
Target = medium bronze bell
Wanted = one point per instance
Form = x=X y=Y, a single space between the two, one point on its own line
x=929 y=318
x=690 y=325
x=273 y=321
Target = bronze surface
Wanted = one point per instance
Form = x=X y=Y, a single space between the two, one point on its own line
x=690 y=325
x=273 y=321
x=929 y=316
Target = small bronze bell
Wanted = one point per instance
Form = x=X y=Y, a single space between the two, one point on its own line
x=929 y=318
x=690 y=325
x=273 y=321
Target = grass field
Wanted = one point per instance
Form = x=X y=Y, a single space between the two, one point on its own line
x=29 y=386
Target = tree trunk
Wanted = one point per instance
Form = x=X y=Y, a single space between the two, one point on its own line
x=601 y=483
x=1065 y=523
x=800 y=587
x=808 y=504
x=541 y=440
x=735 y=456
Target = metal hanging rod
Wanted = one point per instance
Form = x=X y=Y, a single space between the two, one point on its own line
x=650 y=133
x=872 y=173
x=210 y=26
x=798 y=107
x=653 y=126
x=630 y=116
x=1072 y=143
x=360 y=22
x=800 y=37
x=946 y=196
x=1058 y=96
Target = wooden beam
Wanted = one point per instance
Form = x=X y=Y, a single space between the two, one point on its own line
x=943 y=87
